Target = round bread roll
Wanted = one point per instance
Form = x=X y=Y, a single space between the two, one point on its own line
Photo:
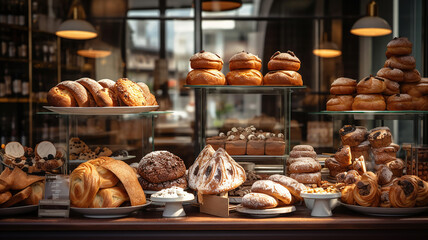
x=411 y=76
x=344 y=156
x=205 y=77
x=258 y=201
x=342 y=86
x=422 y=86
x=61 y=97
x=401 y=62
x=299 y=154
x=283 y=78
x=398 y=47
x=352 y=135
x=304 y=148
x=369 y=102
x=370 y=85
x=245 y=60
x=340 y=103
x=206 y=60
x=161 y=166
x=291 y=184
x=284 y=61
x=244 y=77
x=304 y=167
x=307 y=178
x=393 y=74
x=391 y=87
x=399 y=102
x=273 y=189
x=79 y=92
x=420 y=103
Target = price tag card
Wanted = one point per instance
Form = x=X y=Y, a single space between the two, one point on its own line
x=56 y=202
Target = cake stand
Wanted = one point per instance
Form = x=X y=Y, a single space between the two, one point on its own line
x=321 y=204
x=173 y=206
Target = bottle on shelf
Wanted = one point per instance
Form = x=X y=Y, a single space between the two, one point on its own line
x=13 y=129
x=22 y=13
x=35 y=17
x=25 y=86
x=17 y=84
x=4 y=42
x=23 y=132
x=22 y=49
x=2 y=85
x=12 y=46
x=3 y=12
x=10 y=11
x=8 y=81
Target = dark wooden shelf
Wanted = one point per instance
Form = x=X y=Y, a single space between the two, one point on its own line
x=14 y=100
x=14 y=27
x=15 y=60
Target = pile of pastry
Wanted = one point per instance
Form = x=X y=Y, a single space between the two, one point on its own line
x=18 y=189
x=276 y=191
x=86 y=92
x=244 y=70
x=357 y=142
x=78 y=149
x=383 y=189
x=397 y=86
x=249 y=141
x=302 y=165
x=417 y=166
x=161 y=170
x=105 y=183
x=44 y=157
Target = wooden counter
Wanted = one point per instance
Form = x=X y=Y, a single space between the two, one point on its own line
x=343 y=224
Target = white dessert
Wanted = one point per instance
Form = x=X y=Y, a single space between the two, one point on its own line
x=172 y=192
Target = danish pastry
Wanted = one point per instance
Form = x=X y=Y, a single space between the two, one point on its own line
x=384 y=175
x=348 y=194
x=366 y=191
x=384 y=197
x=352 y=135
x=109 y=198
x=130 y=93
x=107 y=178
x=403 y=192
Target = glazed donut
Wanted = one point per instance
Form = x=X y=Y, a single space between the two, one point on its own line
x=84 y=185
x=366 y=192
x=384 y=197
x=205 y=77
x=206 y=60
x=245 y=60
x=401 y=62
x=299 y=154
x=370 y=85
x=307 y=178
x=343 y=156
x=284 y=61
x=403 y=192
x=391 y=87
x=334 y=167
x=384 y=175
x=283 y=78
x=399 y=102
x=258 y=201
x=369 y=102
x=61 y=97
x=398 y=47
x=244 y=77
x=273 y=189
x=304 y=167
x=411 y=76
x=342 y=86
x=348 y=194
x=107 y=83
x=340 y=103
x=291 y=184
x=352 y=135
x=308 y=148
x=380 y=137
x=79 y=92
x=393 y=74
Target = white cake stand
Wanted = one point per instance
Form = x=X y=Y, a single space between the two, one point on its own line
x=321 y=204
x=173 y=206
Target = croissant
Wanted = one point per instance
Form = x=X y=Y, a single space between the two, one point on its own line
x=204 y=156
x=84 y=185
x=36 y=193
x=108 y=179
x=5 y=180
x=422 y=196
x=347 y=194
x=384 y=197
x=17 y=198
x=403 y=192
x=366 y=192
x=109 y=198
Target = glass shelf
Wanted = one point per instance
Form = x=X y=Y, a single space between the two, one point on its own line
x=267 y=90
x=371 y=115
x=152 y=113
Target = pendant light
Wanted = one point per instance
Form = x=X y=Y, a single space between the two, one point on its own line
x=371 y=25
x=220 y=5
x=76 y=28
x=95 y=49
x=327 y=49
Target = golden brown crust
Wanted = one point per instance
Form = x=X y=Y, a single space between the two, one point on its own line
x=401 y=62
x=307 y=178
x=109 y=198
x=284 y=61
x=352 y=135
x=399 y=102
x=244 y=60
x=107 y=83
x=283 y=78
x=340 y=103
x=18 y=197
x=393 y=74
x=291 y=184
x=244 y=77
x=259 y=201
x=273 y=189
x=344 y=156
x=205 y=77
x=108 y=97
x=334 y=167
x=403 y=192
x=78 y=91
x=101 y=98
x=366 y=192
x=420 y=103
x=206 y=60
x=37 y=191
x=150 y=98
x=391 y=87
x=343 y=86
x=130 y=93
x=380 y=137
x=411 y=76
x=371 y=85
x=369 y=102
x=61 y=97
x=348 y=194
x=5 y=196
x=84 y=185
x=422 y=86
x=107 y=178
x=21 y=180
x=399 y=46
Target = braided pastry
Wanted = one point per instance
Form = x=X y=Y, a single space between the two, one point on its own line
x=84 y=185
x=403 y=192
x=366 y=192
x=348 y=194
x=107 y=178
x=109 y=198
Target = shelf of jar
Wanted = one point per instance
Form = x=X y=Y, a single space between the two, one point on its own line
x=270 y=90
x=16 y=60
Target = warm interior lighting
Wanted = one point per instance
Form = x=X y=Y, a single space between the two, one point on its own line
x=371 y=25
x=93 y=53
x=220 y=5
x=327 y=49
x=76 y=28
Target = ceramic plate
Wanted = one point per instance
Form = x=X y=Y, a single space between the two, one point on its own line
x=122 y=158
x=386 y=212
x=101 y=110
x=189 y=197
x=108 y=212
x=263 y=213
x=320 y=195
x=17 y=210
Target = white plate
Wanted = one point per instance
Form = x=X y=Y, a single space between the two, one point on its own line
x=101 y=110
x=188 y=197
x=386 y=212
x=108 y=212
x=78 y=161
x=17 y=210
x=262 y=213
x=320 y=195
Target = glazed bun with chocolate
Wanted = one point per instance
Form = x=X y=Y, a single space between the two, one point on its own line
x=284 y=61
x=399 y=102
x=371 y=85
x=401 y=62
x=343 y=85
x=206 y=60
x=340 y=103
x=393 y=74
x=245 y=60
x=283 y=78
x=398 y=47
x=369 y=102
x=205 y=77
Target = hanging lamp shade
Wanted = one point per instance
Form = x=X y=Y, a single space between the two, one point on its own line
x=95 y=49
x=327 y=50
x=220 y=5
x=77 y=27
x=371 y=25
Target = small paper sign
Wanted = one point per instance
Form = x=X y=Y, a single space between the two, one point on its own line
x=214 y=205
x=56 y=202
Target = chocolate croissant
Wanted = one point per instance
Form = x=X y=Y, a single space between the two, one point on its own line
x=366 y=192
x=403 y=192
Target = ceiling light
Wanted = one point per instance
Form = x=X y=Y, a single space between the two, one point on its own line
x=76 y=28
x=220 y=5
x=327 y=49
x=371 y=25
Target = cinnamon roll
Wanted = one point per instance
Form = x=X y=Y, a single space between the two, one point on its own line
x=403 y=192
x=366 y=192
x=422 y=197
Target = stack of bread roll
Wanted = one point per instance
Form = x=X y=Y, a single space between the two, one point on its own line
x=342 y=90
x=86 y=92
x=283 y=69
x=206 y=69
x=244 y=69
x=303 y=166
